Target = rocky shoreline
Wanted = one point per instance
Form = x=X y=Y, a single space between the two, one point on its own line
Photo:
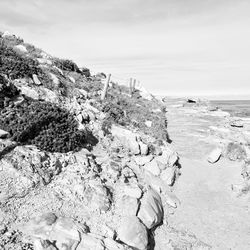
x=119 y=192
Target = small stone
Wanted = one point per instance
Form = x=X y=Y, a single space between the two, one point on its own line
x=3 y=134
x=148 y=123
x=215 y=155
x=36 y=80
x=143 y=148
x=133 y=233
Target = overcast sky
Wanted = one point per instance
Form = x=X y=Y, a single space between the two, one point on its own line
x=174 y=47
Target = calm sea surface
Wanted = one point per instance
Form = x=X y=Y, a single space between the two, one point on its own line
x=239 y=108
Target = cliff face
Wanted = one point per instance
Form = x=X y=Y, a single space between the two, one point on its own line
x=78 y=172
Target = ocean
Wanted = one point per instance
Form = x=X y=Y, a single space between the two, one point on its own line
x=240 y=108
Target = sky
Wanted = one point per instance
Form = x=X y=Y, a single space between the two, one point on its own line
x=173 y=47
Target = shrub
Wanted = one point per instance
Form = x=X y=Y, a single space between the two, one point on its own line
x=135 y=112
x=45 y=125
x=7 y=90
x=65 y=64
x=15 y=65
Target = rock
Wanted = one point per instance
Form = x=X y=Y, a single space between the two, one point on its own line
x=97 y=197
x=148 y=124
x=3 y=134
x=127 y=206
x=235 y=151
x=55 y=79
x=133 y=233
x=143 y=148
x=151 y=209
x=167 y=159
x=36 y=80
x=142 y=160
x=168 y=175
x=30 y=92
x=90 y=242
x=72 y=79
x=79 y=118
x=236 y=123
x=60 y=231
x=127 y=138
x=215 y=155
x=44 y=61
x=132 y=191
x=152 y=167
x=21 y=48
x=113 y=245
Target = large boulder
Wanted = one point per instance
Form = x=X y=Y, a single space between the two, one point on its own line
x=168 y=175
x=152 y=167
x=151 y=209
x=127 y=138
x=47 y=228
x=168 y=158
x=133 y=233
x=90 y=242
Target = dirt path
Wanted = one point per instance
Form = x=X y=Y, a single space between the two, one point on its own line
x=209 y=208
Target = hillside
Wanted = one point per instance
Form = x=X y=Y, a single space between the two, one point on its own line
x=82 y=172
x=78 y=172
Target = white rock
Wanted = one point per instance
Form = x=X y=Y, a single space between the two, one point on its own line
x=72 y=79
x=127 y=138
x=215 y=155
x=142 y=160
x=132 y=191
x=113 y=245
x=168 y=175
x=21 y=48
x=36 y=80
x=133 y=233
x=168 y=158
x=127 y=206
x=89 y=242
x=143 y=148
x=3 y=134
x=151 y=209
x=148 y=124
x=30 y=92
x=54 y=79
x=152 y=167
x=44 y=61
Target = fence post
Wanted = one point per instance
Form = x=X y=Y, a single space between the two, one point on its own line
x=134 y=83
x=131 y=86
x=104 y=92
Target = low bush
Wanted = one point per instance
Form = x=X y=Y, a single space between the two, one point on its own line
x=45 y=125
x=15 y=65
x=68 y=65
x=7 y=90
x=134 y=112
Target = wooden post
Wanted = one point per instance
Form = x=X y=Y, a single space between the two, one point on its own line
x=104 y=92
x=134 y=85
x=131 y=86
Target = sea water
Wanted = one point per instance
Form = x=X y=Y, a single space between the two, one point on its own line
x=239 y=108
